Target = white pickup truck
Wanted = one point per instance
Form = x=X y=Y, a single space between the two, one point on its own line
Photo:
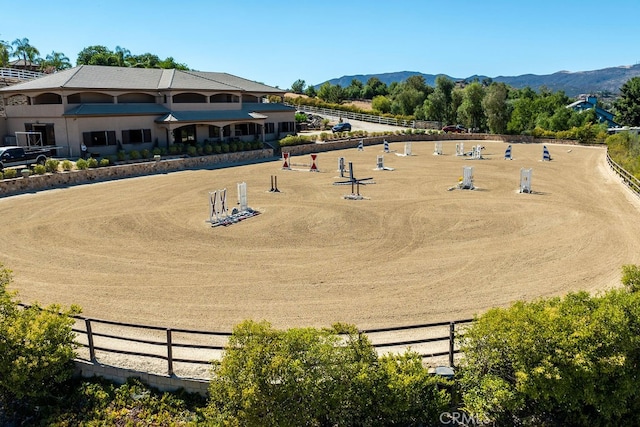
x=14 y=156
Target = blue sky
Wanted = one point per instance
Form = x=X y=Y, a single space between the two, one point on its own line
x=279 y=41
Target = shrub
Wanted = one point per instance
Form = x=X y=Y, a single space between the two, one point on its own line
x=134 y=154
x=224 y=147
x=157 y=151
x=559 y=361
x=39 y=169
x=217 y=148
x=233 y=147
x=145 y=153
x=81 y=164
x=312 y=376
x=208 y=149
x=191 y=151
x=631 y=277
x=256 y=145
x=67 y=165
x=121 y=155
x=1 y=175
x=10 y=173
x=92 y=163
x=36 y=351
x=51 y=165
x=104 y=162
x=295 y=140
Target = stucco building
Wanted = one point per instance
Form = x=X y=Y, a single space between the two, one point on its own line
x=116 y=108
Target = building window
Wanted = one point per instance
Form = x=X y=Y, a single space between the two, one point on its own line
x=185 y=134
x=136 y=136
x=269 y=128
x=243 y=129
x=214 y=131
x=286 y=126
x=99 y=139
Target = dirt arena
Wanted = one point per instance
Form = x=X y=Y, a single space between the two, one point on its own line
x=139 y=250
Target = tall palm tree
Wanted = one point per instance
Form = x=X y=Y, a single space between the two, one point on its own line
x=24 y=50
x=122 y=55
x=55 y=61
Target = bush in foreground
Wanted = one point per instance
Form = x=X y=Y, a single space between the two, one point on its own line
x=36 y=352
x=559 y=361
x=319 y=377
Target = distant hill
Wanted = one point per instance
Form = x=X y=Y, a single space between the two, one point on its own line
x=606 y=80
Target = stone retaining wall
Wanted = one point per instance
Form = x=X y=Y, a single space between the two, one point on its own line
x=77 y=177
x=87 y=369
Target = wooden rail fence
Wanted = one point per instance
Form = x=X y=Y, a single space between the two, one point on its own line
x=631 y=181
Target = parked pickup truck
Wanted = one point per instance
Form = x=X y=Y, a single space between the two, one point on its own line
x=13 y=156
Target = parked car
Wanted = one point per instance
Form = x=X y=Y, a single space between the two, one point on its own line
x=454 y=129
x=341 y=127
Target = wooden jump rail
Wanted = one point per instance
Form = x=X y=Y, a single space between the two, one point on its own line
x=632 y=182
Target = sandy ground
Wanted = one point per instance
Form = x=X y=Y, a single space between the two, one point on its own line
x=139 y=250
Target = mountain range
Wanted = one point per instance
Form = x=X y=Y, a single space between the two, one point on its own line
x=606 y=81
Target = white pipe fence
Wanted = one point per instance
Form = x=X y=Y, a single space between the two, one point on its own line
x=370 y=118
x=17 y=74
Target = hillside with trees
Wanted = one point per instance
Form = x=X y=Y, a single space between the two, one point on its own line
x=603 y=82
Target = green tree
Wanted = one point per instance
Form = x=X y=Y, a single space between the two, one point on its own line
x=438 y=105
x=627 y=106
x=558 y=361
x=312 y=376
x=374 y=87
x=36 y=350
x=496 y=107
x=331 y=93
x=5 y=53
x=381 y=103
x=310 y=91
x=96 y=55
x=55 y=61
x=354 y=90
x=298 y=86
x=23 y=50
x=122 y=56
x=169 y=63
x=470 y=111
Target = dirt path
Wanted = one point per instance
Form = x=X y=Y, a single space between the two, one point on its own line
x=139 y=250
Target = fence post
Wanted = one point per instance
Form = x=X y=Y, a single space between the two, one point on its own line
x=452 y=333
x=169 y=354
x=92 y=350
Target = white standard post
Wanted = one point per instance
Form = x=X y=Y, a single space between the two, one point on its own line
x=438 y=149
x=467 y=177
x=525 y=180
x=460 y=149
x=341 y=166
x=407 y=148
x=242 y=196
x=380 y=163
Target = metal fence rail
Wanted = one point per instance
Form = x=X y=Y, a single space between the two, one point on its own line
x=430 y=340
x=100 y=338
